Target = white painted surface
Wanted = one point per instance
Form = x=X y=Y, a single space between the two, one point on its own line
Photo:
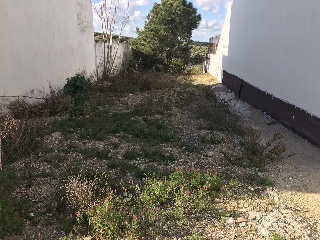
x=42 y=42
x=274 y=45
x=120 y=51
x=216 y=60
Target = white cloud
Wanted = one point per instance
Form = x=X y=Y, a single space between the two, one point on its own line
x=211 y=28
x=139 y=2
x=214 y=6
x=207 y=29
x=134 y=20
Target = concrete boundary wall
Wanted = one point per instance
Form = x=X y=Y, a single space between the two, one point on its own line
x=44 y=42
x=292 y=117
x=274 y=45
x=273 y=59
x=122 y=58
x=215 y=63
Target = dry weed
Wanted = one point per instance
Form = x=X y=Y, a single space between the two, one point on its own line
x=79 y=192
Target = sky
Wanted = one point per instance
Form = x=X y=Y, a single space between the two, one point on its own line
x=212 y=11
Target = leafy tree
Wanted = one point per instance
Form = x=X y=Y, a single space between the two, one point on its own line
x=164 y=43
x=198 y=54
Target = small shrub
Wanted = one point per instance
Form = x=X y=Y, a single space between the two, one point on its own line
x=256 y=179
x=56 y=101
x=21 y=138
x=178 y=186
x=20 y=109
x=110 y=217
x=257 y=154
x=52 y=103
x=77 y=87
x=276 y=236
x=79 y=192
x=84 y=188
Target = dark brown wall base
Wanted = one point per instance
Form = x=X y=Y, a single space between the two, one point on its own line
x=290 y=116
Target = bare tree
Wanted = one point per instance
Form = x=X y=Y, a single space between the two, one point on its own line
x=108 y=11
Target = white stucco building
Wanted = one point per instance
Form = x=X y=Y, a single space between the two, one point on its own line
x=44 y=42
x=270 y=57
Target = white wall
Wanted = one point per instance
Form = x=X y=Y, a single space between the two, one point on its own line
x=42 y=42
x=274 y=45
x=122 y=58
x=216 y=60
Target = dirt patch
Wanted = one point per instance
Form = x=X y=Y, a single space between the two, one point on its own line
x=205 y=79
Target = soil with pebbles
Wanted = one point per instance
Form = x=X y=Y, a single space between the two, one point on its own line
x=291 y=209
x=297 y=178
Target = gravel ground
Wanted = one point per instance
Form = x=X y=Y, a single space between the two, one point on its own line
x=297 y=178
x=290 y=210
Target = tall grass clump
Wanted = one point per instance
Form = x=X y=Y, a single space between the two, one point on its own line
x=22 y=138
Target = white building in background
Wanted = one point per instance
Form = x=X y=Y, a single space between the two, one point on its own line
x=44 y=42
x=270 y=57
x=215 y=39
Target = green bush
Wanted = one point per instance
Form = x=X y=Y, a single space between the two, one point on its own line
x=257 y=154
x=198 y=54
x=176 y=66
x=77 y=87
x=179 y=186
x=133 y=212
